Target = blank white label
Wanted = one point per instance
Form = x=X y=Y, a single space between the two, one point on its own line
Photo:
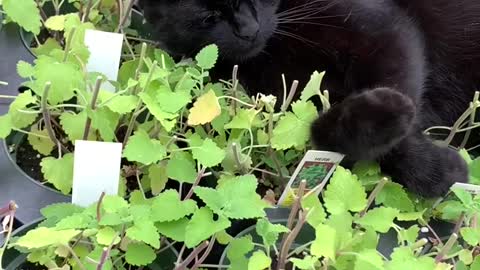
x=96 y=170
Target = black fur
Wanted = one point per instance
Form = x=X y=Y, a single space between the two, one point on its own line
x=394 y=68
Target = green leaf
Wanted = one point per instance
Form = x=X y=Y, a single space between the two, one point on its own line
x=174 y=229
x=207 y=57
x=75 y=221
x=474 y=171
x=324 y=244
x=144 y=231
x=74 y=125
x=181 y=169
x=19 y=119
x=59 y=172
x=476 y=264
x=121 y=104
x=64 y=77
x=105 y=121
x=409 y=235
x=259 y=261
x=47 y=47
x=44 y=237
x=42 y=144
x=380 y=219
x=465 y=197
x=165 y=118
x=56 y=23
x=107 y=236
x=403 y=258
x=393 y=195
x=307 y=263
x=158 y=178
x=168 y=207
x=173 y=102
x=205 y=109
x=466 y=256
x=139 y=254
x=313 y=86
x=236 y=198
x=239 y=247
x=206 y=151
x=243 y=119
x=114 y=204
x=202 y=226
x=142 y=149
x=293 y=129
x=25 y=13
x=53 y=213
x=317 y=214
x=24 y=69
x=269 y=232
x=471 y=235
x=5 y=125
x=369 y=260
x=344 y=192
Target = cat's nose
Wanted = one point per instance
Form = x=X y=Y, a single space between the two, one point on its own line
x=249 y=31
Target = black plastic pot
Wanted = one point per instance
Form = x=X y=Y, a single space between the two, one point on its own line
x=387 y=242
x=13 y=259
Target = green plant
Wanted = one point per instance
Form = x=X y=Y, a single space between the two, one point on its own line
x=114 y=232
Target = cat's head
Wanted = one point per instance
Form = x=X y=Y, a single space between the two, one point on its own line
x=240 y=28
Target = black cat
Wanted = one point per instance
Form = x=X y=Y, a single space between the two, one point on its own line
x=394 y=68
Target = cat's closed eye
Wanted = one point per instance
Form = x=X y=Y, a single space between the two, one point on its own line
x=210 y=18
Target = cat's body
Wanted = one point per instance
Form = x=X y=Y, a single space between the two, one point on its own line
x=394 y=68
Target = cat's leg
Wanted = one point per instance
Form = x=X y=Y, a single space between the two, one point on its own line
x=365 y=125
x=423 y=167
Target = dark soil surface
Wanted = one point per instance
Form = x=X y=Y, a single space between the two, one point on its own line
x=29 y=161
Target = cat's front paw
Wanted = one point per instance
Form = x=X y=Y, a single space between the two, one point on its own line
x=365 y=125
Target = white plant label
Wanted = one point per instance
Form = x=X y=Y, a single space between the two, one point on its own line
x=317 y=166
x=474 y=189
x=96 y=169
x=105 y=52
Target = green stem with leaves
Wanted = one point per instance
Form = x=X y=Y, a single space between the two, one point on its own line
x=48 y=121
x=93 y=103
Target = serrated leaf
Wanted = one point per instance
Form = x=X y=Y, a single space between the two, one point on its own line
x=317 y=214
x=114 y=204
x=393 y=195
x=165 y=118
x=74 y=125
x=466 y=256
x=368 y=260
x=48 y=46
x=142 y=149
x=307 y=263
x=181 y=169
x=173 y=102
x=269 y=232
x=5 y=126
x=75 y=221
x=19 y=119
x=380 y=219
x=43 y=237
x=25 y=13
x=168 y=207
x=409 y=235
x=206 y=152
x=344 y=192
x=239 y=247
x=144 y=231
x=174 y=229
x=121 y=104
x=293 y=129
x=243 y=119
x=24 y=69
x=202 y=226
x=56 y=23
x=204 y=110
x=403 y=258
x=259 y=261
x=42 y=142
x=324 y=244
x=139 y=254
x=236 y=198
x=471 y=235
x=107 y=236
x=58 y=211
x=313 y=86
x=59 y=172
x=105 y=121
x=207 y=57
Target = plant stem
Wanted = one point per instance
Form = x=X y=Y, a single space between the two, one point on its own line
x=200 y=175
x=291 y=95
x=47 y=119
x=446 y=248
x=472 y=119
x=125 y=15
x=205 y=254
x=69 y=43
x=374 y=194
x=236 y=157
x=235 y=85
x=11 y=209
x=87 y=11
x=75 y=257
x=237 y=100
x=282 y=258
x=270 y=151
x=189 y=259
x=295 y=207
x=93 y=103
x=99 y=207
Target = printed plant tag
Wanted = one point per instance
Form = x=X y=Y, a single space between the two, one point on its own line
x=316 y=168
x=96 y=169
x=105 y=51
x=474 y=189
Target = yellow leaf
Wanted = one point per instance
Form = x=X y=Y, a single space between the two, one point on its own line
x=56 y=23
x=204 y=110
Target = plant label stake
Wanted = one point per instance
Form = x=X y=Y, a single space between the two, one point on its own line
x=96 y=169
x=105 y=52
x=316 y=168
x=474 y=189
